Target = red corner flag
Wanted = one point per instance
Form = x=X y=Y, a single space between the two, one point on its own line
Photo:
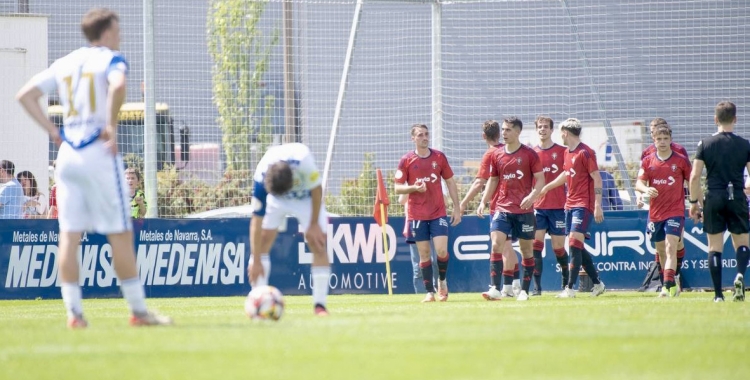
x=381 y=198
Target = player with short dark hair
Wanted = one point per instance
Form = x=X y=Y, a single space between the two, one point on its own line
x=516 y=174
x=419 y=173
x=287 y=182
x=584 y=201
x=550 y=208
x=91 y=82
x=279 y=178
x=503 y=266
x=725 y=157
x=661 y=177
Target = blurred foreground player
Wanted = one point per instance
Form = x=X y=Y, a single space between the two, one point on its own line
x=91 y=187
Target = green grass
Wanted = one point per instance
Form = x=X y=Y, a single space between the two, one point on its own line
x=615 y=336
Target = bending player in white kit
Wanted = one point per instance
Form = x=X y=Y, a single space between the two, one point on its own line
x=92 y=191
x=287 y=182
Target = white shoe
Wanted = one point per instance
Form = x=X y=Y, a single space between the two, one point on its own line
x=507 y=292
x=430 y=297
x=150 y=318
x=739 y=288
x=598 y=289
x=442 y=290
x=516 y=287
x=522 y=296
x=492 y=294
x=567 y=293
x=664 y=293
x=678 y=289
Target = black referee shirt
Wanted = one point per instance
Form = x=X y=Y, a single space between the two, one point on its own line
x=725 y=155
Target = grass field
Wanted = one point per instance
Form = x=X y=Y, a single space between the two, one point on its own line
x=616 y=336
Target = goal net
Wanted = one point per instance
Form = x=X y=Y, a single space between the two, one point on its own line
x=349 y=79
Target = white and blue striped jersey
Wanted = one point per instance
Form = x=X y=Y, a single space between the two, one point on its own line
x=302 y=162
x=82 y=81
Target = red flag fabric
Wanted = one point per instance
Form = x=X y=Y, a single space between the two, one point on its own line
x=380 y=198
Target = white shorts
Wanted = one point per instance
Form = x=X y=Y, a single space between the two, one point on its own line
x=92 y=194
x=278 y=208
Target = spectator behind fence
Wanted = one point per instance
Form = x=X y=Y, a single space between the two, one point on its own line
x=52 y=213
x=35 y=202
x=138 y=205
x=11 y=192
x=611 y=200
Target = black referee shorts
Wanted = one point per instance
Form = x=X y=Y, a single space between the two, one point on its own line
x=721 y=214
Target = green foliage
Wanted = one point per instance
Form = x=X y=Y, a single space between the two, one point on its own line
x=133 y=160
x=357 y=195
x=241 y=56
x=464 y=184
x=178 y=198
x=632 y=172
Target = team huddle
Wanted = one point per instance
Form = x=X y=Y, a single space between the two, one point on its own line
x=526 y=197
x=557 y=190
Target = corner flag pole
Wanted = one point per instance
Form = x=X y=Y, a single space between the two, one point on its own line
x=380 y=213
x=385 y=249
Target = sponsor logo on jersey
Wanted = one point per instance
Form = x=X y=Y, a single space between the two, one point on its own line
x=517 y=175
x=552 y=169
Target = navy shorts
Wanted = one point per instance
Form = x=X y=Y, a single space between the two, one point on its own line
x=671 y=226
x=578 y=220
x=424 y=230
x=520 y=226
x=512 y=238
x=552 y=221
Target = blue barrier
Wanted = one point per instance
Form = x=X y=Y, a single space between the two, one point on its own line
x=178 y=258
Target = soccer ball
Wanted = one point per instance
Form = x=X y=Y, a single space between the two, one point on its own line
x=264 y=303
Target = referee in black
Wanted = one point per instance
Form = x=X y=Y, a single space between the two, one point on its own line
x=725 y=157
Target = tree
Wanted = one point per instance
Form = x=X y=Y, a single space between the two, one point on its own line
x=357 y=195
x=241 y=56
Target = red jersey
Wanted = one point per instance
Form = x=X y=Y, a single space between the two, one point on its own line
x=673 y=145
x=553 y=161
x=516 y=176
x=667 y=177
x=413 y=169
x=484 y=171
x=579 y=163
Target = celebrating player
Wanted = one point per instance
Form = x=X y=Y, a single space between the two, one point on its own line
x=522 y=180
x=287 y=182
x=92 y=191
x=661 y=177
x=675 y=147
x=549 y=209
x=498 y=261
x=418 y=174
x=581 y=174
